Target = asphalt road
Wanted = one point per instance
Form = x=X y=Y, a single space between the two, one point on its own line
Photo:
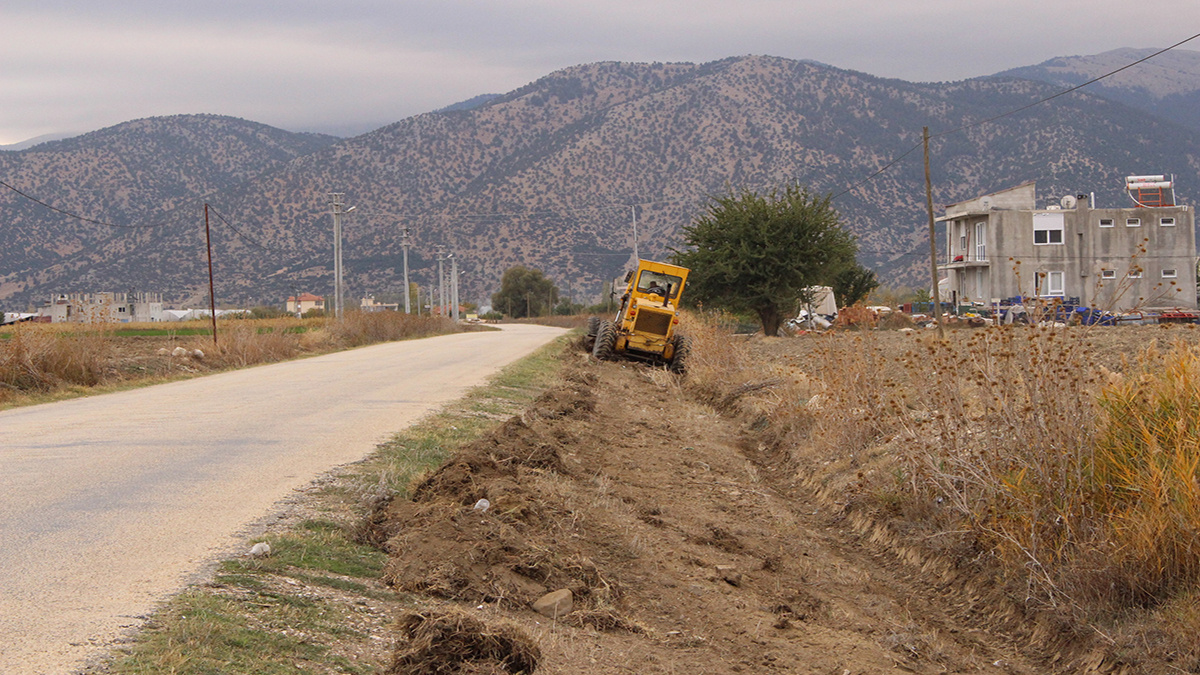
x=110 y=504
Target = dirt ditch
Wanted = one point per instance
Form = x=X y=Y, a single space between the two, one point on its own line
x=686 y=548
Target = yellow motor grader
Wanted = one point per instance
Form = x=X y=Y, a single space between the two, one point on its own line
x=644 y=327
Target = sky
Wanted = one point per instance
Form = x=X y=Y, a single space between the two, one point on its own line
x=350 y=66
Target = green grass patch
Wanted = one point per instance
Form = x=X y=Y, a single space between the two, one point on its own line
x=266 y=615
x=424 y=446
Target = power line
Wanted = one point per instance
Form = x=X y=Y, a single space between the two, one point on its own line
x=243 y=235
x=75 y=215
x=1065 y=91
x=1012 y=112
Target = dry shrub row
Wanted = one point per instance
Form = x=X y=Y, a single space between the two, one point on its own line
x=35 y=360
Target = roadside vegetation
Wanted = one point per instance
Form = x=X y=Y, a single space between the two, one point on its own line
x=1071 y=490
x=317 y=604
x=40 y=362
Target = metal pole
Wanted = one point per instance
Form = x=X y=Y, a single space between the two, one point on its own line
x=441 y=257
x=454 y=286
x=212 y=296
x=937 y=301
x=336 y=205
x=404 y=241
x=633 y=210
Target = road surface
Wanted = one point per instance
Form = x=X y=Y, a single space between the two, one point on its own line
x=112 y=503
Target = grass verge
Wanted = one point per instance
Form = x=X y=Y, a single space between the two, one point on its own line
x=316 y=604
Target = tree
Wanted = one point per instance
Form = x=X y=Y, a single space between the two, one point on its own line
x=760 y=253
x=524 y=292
x=852 y=284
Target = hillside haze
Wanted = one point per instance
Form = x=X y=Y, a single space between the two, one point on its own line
x=549 y=176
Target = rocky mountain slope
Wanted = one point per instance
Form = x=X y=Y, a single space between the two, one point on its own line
x=132 y=175
x=550 y=175
x=1167 y=86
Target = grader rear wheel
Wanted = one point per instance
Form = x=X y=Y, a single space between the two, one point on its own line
x=606 y=341
x=683 y=350
x=589 y=338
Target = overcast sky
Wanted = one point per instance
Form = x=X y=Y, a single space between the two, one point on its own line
x=350 y=66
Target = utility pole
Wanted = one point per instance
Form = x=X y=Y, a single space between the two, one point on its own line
x=937 y=301
x=441 y=258
x=633 y=210
x=454 y=287
x=212 y=295
x=406 y=241
x=336 y=208
x=296 y=294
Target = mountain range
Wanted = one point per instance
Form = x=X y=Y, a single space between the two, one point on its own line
x=553 y=174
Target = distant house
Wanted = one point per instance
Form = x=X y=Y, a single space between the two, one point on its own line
x=1001 y=245
x=103 y=308
x=306 y=302
x=368 y=304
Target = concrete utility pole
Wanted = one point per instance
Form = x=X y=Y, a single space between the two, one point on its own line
x=441 y=258
x=336 y=205
x=406 y=241
x=937 y=301
x=454 y=287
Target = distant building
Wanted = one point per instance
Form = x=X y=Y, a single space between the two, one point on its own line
x=368 y=304
x=1001 y=245
x=103 y=308
x=307 y=301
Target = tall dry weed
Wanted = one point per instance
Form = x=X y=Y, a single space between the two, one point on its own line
x=722 y=373
x=245 y=343
x=364 y=328
x=1147 y=474
x=35 y=359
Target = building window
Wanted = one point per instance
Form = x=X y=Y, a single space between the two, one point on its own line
x=1135 y=273
x=1166 y=222
x=1047 y=228
x=1133 y=222
x=1106 y=222
x=980 y=242
x=1168 y=274
x=1108 y=274
x=1054 y=283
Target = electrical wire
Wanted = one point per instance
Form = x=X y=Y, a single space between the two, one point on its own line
x=1065 y=91
x=248 y=239
x=1011 y=112
x=75 y=215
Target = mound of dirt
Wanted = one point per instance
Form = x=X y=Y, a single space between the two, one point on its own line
x=443 y=546
x=453 y=643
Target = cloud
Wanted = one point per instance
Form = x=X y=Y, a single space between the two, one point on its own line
x=305 y=64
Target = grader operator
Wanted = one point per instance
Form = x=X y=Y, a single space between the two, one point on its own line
x=644 y=327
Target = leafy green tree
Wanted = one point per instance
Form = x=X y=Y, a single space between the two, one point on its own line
x=760 y=253
x=853 y=284
x=524 y=292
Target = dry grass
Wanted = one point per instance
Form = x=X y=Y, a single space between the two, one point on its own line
x=1146 y=475
x=39 y=358
x=1081 y=485
x=35 y=360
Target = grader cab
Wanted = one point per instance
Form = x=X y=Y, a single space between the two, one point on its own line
x=644 y=327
